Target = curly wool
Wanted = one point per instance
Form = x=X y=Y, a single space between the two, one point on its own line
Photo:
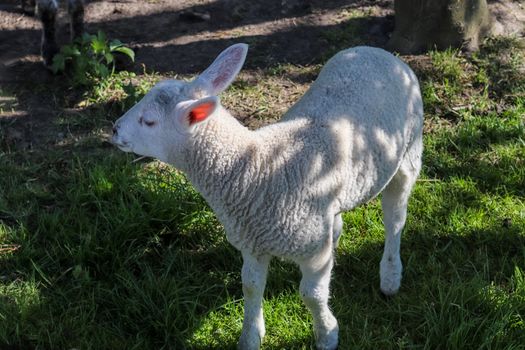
x=277 y=189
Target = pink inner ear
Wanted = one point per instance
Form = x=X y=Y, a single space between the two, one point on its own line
x=201 y=112
x=222 y=78
x=227 y=67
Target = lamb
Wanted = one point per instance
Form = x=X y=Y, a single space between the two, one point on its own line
x=47 y=11
x=280 y=190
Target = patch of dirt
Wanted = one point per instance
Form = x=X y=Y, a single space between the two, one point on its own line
x=182 y=37
x=508 y=17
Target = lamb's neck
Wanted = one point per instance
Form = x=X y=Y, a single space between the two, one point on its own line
x=220 y=161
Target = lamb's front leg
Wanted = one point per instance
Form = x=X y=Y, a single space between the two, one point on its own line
x=254 y=271
x=315 y=290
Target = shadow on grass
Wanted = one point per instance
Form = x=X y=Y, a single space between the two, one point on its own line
x=113 y=256
x=121 y=257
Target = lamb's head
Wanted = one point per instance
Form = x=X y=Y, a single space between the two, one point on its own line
x=162 y=123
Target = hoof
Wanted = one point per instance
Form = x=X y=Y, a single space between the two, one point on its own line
x=390 y=287
x=390 y=272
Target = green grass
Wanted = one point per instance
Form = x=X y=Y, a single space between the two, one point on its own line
x=99 y=252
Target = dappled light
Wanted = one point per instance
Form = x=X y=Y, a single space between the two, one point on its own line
x=106 y=250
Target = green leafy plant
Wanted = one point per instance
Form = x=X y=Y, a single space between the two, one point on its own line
x=90 y=58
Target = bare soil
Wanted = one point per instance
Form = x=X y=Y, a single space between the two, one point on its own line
x=182 y=37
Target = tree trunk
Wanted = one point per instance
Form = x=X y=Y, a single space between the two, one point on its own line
x=425 y=24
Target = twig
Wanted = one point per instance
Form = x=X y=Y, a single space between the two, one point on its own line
x=138 y=159
x=9 y=248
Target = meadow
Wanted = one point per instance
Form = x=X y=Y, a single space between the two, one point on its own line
x=101 y=250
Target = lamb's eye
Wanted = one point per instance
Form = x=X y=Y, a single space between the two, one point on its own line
x=149 y=123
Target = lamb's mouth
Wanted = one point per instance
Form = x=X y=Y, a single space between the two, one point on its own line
x=123 y=146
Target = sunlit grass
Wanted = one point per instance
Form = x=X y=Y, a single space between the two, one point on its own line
x=100 y=252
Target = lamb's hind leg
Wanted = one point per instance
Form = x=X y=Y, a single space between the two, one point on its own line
x=75 y=9
x=314 y=289
x=394 y=203
x=254 y=271
x=47 y=10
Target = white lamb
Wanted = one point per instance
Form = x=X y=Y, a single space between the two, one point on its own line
x=280 y=190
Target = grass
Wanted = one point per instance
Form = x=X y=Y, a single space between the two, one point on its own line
x=99 y=252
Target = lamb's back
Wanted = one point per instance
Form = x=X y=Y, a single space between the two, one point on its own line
x=367 y=85
x=363 y=112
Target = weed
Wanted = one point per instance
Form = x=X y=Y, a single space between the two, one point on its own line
x=91 y=58
x=449 y=64
x=123 y=89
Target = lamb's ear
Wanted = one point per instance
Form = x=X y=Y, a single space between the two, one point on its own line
x=192 y=112
x=219 y=75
